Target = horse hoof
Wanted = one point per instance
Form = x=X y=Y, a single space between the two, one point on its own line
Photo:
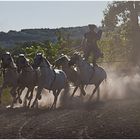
x=20 y=101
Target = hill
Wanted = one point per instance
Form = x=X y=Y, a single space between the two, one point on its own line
x=13 y=38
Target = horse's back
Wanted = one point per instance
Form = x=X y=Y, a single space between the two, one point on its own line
x=99 y=75
x=95 y=75
x=60 y=79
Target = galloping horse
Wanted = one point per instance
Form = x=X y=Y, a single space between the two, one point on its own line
x=10 y=77
x=27 y=78
x=87 y=73
x=49 y=78
x=71 y=73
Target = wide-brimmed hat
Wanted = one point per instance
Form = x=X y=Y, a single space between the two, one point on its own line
x=92 y=26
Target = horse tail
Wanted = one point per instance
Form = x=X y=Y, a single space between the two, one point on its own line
x=105 y=79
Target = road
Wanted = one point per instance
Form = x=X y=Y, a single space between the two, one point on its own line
x=106 y=119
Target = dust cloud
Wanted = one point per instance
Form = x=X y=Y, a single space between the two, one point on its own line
x=120 y=84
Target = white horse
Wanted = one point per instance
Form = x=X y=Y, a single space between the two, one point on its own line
x=49 y=78
x=27 y=78
x=71 y=73
x=10 y=76
x=88 y=74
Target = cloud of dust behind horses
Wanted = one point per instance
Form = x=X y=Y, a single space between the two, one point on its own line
x=46 y=100
x=121 y=84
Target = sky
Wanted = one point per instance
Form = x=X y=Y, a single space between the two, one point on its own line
x=17 y=15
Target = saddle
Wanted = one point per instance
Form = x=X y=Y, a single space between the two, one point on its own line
x=93 y=67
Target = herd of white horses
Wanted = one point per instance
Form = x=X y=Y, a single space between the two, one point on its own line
x=20 y=74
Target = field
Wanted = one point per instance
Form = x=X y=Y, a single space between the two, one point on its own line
x=117 y=115
x=106 y=119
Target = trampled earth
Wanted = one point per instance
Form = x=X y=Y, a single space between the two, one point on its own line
x=106 y=119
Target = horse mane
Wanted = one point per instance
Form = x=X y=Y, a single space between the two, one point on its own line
x=47 y=62
x=28 y=63
x=13 y=64
x=64 y=57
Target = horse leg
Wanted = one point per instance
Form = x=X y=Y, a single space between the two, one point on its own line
x=20 y=101
x=39 y=90
x=82 y=89
x=13 y=94
x=30 y=98
x=54 y=93
x=74 y=91
x=55 y=98
x=98 y=94
x=96 y=87
x=19 y=92
x=25 y=98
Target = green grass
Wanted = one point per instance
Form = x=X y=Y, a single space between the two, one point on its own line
x=6 y=97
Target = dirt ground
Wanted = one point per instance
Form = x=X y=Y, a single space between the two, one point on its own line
x=108 y=119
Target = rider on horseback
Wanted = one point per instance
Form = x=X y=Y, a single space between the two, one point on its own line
x=89 y=43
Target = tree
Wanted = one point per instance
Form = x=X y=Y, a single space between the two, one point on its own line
x=124 y=15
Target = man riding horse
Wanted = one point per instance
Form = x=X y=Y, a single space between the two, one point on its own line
x=89 y=43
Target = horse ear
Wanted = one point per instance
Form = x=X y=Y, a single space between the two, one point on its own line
x=75 y=53
x=62 y=54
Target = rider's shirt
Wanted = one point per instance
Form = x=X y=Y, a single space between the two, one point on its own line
x=91 y=38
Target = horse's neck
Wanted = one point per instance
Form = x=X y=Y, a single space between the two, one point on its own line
x=65 y=67
x=27 y=68
x=46 y=67
x=81 y=62
x=12 y=69
x=13 y=65
x=46 y=62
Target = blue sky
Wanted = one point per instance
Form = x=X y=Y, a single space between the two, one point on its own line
x=17 y=15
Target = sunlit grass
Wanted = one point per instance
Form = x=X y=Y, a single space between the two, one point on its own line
x=6 y=97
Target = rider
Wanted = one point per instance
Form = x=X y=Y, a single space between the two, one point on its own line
x=89 y=43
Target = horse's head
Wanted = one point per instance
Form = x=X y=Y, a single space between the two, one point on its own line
x=6 y=59
x=38 y=60
x=21 y=61
x=63 y=60
x=74 y=58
